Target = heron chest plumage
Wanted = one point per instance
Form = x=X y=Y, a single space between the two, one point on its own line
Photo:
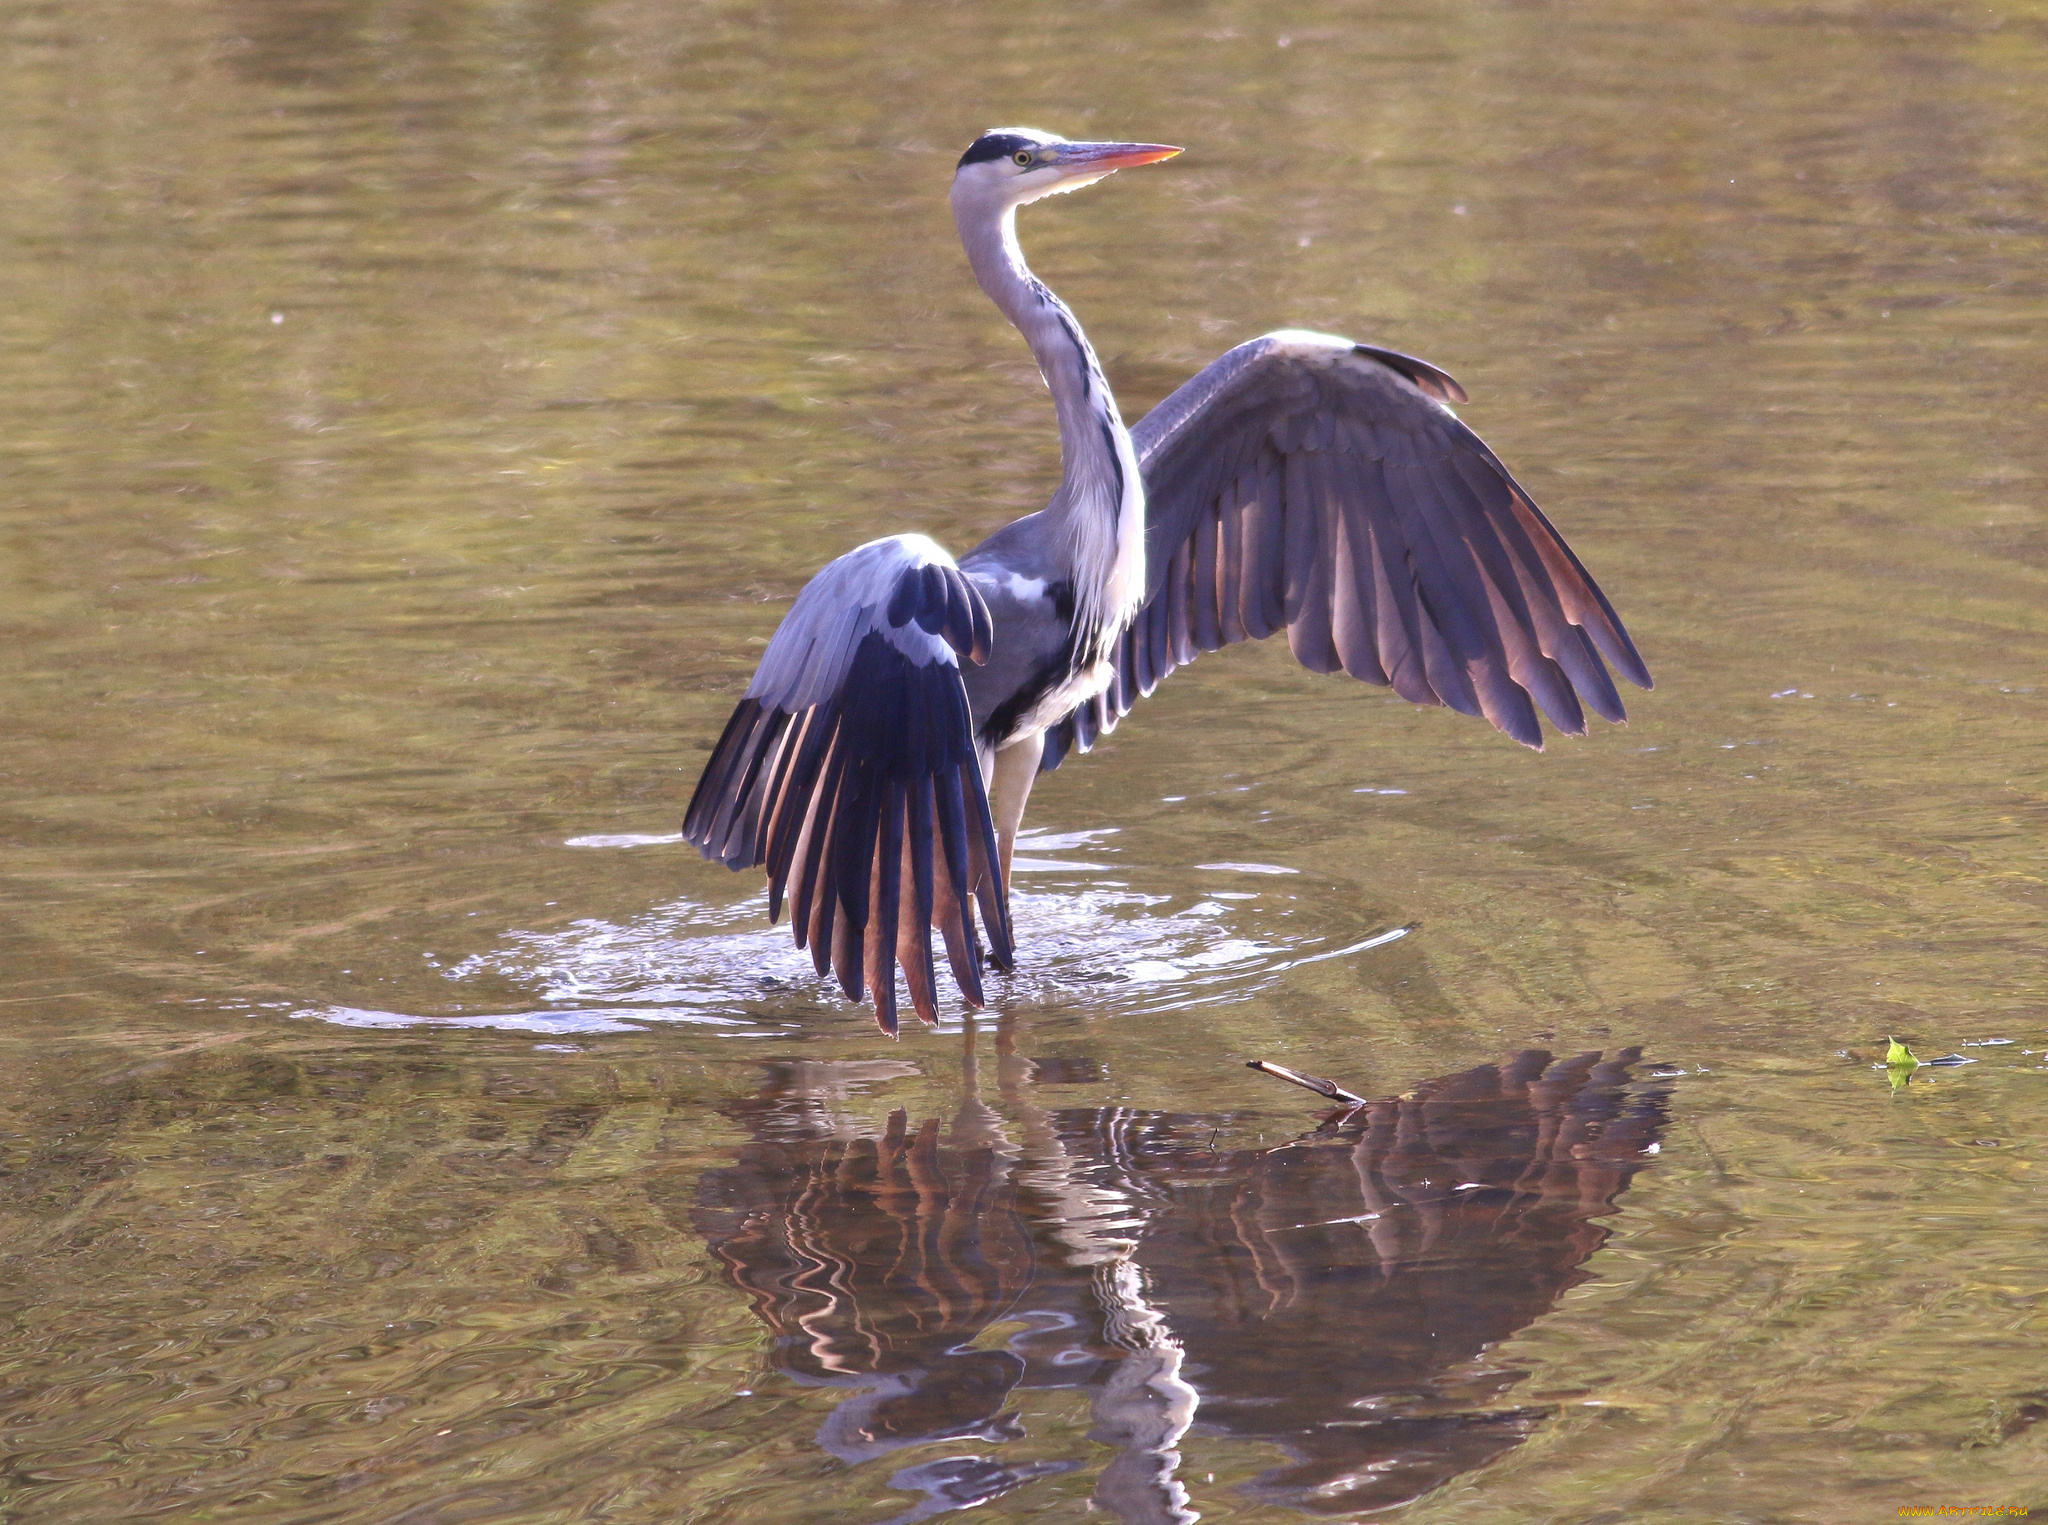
x=1061 y=586
x=1045 y=663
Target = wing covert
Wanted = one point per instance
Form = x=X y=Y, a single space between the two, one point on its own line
x=1305 y=483
x=849 y=771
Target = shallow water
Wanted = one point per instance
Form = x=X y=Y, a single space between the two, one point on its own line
x=418 y=417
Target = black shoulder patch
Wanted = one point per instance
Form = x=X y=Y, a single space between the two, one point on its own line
x=1062 y=595
x=992 y=145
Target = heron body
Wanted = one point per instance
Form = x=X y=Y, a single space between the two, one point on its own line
x=879 y=764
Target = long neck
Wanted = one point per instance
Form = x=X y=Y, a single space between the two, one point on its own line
x=1098 y=512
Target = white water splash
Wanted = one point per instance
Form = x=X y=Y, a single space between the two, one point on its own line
x=1081 y=936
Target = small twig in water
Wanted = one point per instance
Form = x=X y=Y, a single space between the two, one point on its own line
x=1315 y=1083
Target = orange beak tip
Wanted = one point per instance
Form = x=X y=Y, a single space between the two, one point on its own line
x=1099 y=159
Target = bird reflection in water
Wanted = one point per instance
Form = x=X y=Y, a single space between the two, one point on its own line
x=1328 y=1296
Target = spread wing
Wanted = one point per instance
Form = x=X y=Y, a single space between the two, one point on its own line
x=1309 y=484
x=849 y=770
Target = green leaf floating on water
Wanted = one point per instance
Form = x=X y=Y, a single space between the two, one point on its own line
x=1899 y=1064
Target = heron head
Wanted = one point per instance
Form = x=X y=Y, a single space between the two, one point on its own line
x=1008 y=166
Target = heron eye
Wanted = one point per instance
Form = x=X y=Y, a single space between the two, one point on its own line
x=1022 y=156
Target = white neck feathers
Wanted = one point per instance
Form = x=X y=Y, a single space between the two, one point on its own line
x=1098 y=511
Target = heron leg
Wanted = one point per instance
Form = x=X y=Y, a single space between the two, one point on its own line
x=1016 y=769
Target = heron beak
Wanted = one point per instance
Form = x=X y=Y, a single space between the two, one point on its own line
x=1101 y=158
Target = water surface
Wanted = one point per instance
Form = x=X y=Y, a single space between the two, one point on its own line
x=418 y=417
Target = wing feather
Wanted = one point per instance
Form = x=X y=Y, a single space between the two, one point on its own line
x=1442 y=671
x=1454 y=590
x=952 y=887
x=1308 y=593
x=1306 y=483
x=1145 y=650
x=1230 y=548
x=914 y=912
x=983 y=877
x=1400 y=624
x=1180 y=619
x=1520 y=615
x=1262 y=583
x=848 y=770
x=1208 y=631
x=1353 y=620
x=878 y=955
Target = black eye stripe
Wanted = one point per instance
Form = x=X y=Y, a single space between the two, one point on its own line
x=994 y=145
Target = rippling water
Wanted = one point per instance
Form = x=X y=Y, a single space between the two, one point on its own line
x=417 y=419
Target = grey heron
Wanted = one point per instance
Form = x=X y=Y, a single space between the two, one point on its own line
x=879 y=762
